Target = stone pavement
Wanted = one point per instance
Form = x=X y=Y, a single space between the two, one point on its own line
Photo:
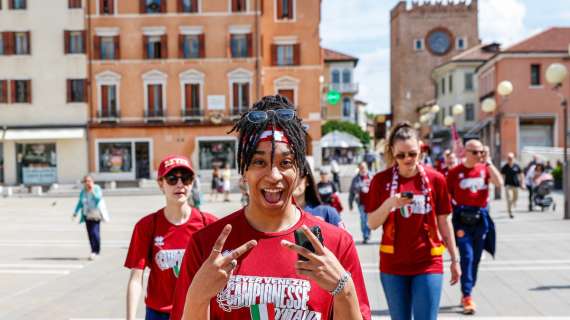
x=45 y=274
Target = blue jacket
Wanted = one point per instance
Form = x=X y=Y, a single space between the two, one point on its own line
x=98 y=196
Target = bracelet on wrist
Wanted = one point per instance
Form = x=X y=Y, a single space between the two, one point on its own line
x=341 y=283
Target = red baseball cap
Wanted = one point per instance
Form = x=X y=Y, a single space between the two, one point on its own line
x=173 y=162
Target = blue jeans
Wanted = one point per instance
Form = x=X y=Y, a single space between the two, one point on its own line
x=364 y=223
x=156 y=315
x=471 y=242
x=418 y=295
x=93 y=231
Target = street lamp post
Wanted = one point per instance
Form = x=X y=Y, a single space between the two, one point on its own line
x=555 y=75
x=504 y=90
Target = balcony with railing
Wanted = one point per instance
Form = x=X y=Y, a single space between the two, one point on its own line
x=350 y=87
x=193 y=115
x=154 y=115
x=110 y=115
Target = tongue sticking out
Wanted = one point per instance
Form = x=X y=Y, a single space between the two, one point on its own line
x=272 y=197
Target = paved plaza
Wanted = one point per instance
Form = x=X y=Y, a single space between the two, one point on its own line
x=45 y=274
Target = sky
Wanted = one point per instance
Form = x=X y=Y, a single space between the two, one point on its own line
x=361 y=28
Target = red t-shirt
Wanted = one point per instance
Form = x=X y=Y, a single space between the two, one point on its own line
x=469 y=186
x=412 y=254
x=169 y=244
x=266 y=274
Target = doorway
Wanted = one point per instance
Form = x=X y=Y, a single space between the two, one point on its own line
x=142 y=160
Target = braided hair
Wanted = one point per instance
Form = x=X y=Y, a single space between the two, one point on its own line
x=250 y=133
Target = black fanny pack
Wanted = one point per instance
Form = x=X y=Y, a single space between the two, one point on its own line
x=470 y=216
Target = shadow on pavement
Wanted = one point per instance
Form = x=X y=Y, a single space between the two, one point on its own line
x=450 y=310
x=54 y=259
x=545 y=288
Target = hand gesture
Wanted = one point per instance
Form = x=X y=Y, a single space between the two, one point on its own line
x=322 y=266
x=455 y=273
x=398 y=201
x=216 y=270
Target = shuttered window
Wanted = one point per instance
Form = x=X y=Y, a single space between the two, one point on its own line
x=241 y=45
x=187 y=6
x=74 y=42
x=74 y=4
x=76 y=90
x=284 y=9
x=285 y=55
x=21 y=91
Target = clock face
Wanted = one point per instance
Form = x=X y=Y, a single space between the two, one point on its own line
x=439 y=41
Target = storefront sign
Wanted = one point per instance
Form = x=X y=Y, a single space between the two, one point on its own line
x=216 y=102
x=39 y=175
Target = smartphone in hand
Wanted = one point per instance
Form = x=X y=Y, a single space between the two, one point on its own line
x=408 y=195
x=302 y=240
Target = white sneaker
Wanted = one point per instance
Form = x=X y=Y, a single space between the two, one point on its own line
x=92 y=257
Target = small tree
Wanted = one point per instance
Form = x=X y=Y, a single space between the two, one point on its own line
x=348 y=127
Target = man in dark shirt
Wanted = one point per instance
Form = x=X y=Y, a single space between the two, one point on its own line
x=513 y=176
x=326 y=187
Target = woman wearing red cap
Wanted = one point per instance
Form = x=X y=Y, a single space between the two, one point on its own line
x=246 y=265
x=160 y=239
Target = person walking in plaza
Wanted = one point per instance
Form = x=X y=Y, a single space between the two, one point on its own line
x=226 y=178
x=335 y=170
x=92 y=210
x=513 y=177
x=247 y=265
x=474 y=229
x=358 y=191
x=159 y=241
x=217 y=184
x=328 y=191
x=449 y=161
x=411 y=203
x=307 y=198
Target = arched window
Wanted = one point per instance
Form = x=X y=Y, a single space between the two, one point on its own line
x=335 y=76
x=346 y=107
x=346 y=76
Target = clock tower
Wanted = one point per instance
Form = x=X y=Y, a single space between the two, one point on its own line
x=422 y=37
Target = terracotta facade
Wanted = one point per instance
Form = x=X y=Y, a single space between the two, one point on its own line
x=200 y=134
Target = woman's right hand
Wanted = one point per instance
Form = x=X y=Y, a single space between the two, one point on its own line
x=216 y=270
x=397 y=201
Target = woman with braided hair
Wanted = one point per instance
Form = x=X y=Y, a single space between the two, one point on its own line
x=247 y=264
x=410 y=201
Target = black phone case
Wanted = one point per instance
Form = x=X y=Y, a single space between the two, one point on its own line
x=407 y=194
x=303 y=241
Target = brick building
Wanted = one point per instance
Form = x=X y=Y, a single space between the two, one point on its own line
x=43 y=100
x=422 y=37
x=531 y=116
x=169 y=76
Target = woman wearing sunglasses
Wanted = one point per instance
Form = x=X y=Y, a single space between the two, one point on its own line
x=410 y=201
x=160 y=238
x=246 y=265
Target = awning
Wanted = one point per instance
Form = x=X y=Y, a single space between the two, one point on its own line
x=338 y=139
x=479 y=126
x=44 y=134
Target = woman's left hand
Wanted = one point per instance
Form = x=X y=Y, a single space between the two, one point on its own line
x=455 y=273
x=322 y=266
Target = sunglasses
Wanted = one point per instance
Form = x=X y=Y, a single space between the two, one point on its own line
x=404 y=155
x=263 y=116
x=477 y=152
x=172 y=179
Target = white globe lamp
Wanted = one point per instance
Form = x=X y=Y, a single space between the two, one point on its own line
x=505 y=88
x=435 y=108
x=556 y=73
x=457 y=109
x=448 y=121
x=489 y=105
